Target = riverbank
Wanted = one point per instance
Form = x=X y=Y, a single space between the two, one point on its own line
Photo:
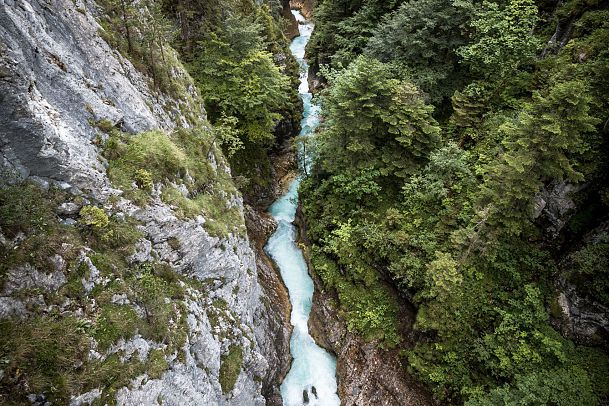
x=312 y=376
x=366 y=373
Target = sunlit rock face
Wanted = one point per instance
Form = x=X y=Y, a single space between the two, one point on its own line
x=58 y=76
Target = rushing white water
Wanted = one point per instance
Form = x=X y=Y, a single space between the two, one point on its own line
x=313 y=370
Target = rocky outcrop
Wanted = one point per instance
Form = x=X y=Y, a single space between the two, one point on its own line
x=575 y=313
x=58 y=77
x=579 y=318
x=316 y=81
x=305 y=6
x=554 y=206
x=282 y=171
x=367 y=374
x=291 y=30
x=260 y=226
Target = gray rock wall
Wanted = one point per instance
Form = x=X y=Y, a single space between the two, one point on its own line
x=57 y=78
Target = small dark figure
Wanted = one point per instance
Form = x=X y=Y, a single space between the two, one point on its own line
x=305 y=396
x=314 y=391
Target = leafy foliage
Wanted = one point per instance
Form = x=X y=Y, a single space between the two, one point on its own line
x=422 y=38
x=238 y=78
x=241 y=63
x=453 y=219
x=502 y=40
x=179 y=162
x=592 y=263
x=375 y=123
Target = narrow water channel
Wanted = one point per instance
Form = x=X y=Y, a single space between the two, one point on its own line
x=312 y=377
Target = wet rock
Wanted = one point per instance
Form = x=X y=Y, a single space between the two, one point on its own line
x=367 y=374
x=275 y=314
x=305 y=6
x=291 y=29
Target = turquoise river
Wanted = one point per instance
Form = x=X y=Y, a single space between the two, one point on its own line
x=312 y=376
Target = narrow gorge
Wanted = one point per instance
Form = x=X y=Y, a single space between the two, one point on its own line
x=304 y=202
x=311 y=379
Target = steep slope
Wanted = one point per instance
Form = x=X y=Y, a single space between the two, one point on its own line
x=139 y=284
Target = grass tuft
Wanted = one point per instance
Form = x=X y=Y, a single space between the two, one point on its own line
x=230 y=368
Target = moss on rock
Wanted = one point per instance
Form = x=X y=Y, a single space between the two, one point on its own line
x=230 y=367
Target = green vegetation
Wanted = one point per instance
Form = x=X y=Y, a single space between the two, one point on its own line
x=47 y=352
x=238 y=78
x=420 y=40
x=104 y=232
x=141 y=32
x=179 y=163
x=442 y=123
x=186 y=168
x=28 y=211
x=33 y=355
x=230 y=367
x=113 y=323
x=242 y=71
x=240 y=60
x=223 y=320
x=94 y=217
x=591 y=263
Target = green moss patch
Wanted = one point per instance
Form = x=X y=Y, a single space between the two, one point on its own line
x=41 y=355
x=180 y=163
x=115 y=322
x=230 y=368
x=48 y=353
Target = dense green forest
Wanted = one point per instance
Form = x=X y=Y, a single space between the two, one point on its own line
x=238 y=55
x=445 y=123
x=461 y=167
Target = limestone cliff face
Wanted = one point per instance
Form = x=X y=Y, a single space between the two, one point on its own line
x=57 y=78
x=58 y=74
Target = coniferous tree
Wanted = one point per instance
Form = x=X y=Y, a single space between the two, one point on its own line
x=375 y=121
